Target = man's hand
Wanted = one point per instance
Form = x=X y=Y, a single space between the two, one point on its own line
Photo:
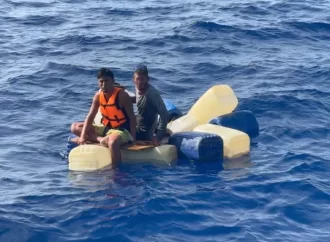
x=155 y=141
x=141 y=142
x=82 y=140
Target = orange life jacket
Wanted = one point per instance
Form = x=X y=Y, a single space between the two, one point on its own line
x=112 y=115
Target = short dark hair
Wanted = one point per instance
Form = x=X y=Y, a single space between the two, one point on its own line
x=105 y=72
x=141 y=69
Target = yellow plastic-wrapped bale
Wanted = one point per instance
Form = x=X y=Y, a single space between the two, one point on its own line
x=182 y=124
x=236 y=143
x=92 y=157
x=216 y=101
x=160 y=155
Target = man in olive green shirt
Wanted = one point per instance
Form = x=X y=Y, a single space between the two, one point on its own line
x=149 y=106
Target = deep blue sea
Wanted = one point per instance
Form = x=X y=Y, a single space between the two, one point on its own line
x=275 y=56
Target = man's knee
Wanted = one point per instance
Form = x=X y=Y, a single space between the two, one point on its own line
x=73 y=127
x=114 y=142
x=76 y=127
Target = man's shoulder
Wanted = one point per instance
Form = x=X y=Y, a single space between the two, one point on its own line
x=153 y=88
x=122 y=93
x=96 y=97
x=97 y=94
x=153 y=91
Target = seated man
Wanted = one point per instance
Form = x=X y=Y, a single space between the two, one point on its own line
x=118 y=119
x=149 y=106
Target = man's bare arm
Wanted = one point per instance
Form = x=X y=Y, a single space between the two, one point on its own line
x=91 y=114
x=127 y=104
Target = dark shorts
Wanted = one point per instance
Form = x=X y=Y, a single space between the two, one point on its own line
x=143 y=135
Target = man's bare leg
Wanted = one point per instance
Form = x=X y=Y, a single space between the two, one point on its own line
x=76 y=128
x=113 y=142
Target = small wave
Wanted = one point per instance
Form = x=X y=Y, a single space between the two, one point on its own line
x=246 y=9
x=296 y=74
x=299 y=132
x=301 y=204
x=224 y=50
x=319 y=74
x=254 y=10
x=311 y=92
x=7 y=130
x=10 y=230
x=191 y=49
x=286 y=7
x=178 y=37
x=310 y=27
x=84 y=40
x=163 y=10
x=235 y=43
x=32 y=4
x=227 y=71
x=169 y=40
x=204 y=50
x=208 y=67
x=69 y=69
x=244 y=33
x=304 y=163
x=213 y=27
x=46 y=51
x=29 y=101
x=271 y=33
x=75 y=1
x=284 y=103
x=155 y=42
x=41 y=20
x=120 y=12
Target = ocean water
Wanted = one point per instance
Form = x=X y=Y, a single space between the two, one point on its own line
x=274 y=54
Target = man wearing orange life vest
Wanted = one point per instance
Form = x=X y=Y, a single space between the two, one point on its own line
x=118 y=119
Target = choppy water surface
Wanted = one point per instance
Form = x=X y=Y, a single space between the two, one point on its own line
x=274 y=54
